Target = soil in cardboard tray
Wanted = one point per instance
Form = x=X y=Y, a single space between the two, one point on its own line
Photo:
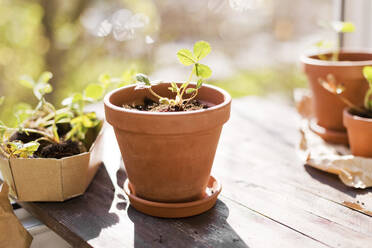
x=51 y=150
x=60 y=150
x=152 y=106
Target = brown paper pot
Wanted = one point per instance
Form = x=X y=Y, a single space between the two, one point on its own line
x=328 y=108
x=359 y=130
x=168 y=156
x=12 y=232
x=48 y=179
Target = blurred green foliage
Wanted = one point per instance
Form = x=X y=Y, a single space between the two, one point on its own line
x=269 y=80
x=41 y=35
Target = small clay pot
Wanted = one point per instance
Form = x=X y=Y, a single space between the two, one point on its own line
x=168 y=156
x=359 y=130
x=328 y=108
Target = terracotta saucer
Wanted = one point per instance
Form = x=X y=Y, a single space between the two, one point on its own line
x=176 y=210
x=331 y=136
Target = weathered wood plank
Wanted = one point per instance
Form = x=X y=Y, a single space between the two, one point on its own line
x=275 y=177
x=103 y=218
x=269 y=198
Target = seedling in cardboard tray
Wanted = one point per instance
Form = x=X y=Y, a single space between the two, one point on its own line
x=45 y=129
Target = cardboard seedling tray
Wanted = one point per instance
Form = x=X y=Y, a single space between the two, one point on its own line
x=49 y=179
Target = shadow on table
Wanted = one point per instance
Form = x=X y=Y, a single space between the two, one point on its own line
x=333 y=181
x=89 y=214
x=209 y=229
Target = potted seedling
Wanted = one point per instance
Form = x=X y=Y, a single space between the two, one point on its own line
x=53 y=153
x=168 y=134
x=357 y=119
x=346 y=66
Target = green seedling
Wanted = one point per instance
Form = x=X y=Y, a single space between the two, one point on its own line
x=187 y=58
x=331 y=85
x=45 y=119
x=338 y=27
x=18 y=149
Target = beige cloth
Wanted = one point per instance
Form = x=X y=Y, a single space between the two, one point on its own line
x=353 y=171
x=12 y=233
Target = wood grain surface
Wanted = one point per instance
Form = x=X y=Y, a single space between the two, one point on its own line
x=269 y=197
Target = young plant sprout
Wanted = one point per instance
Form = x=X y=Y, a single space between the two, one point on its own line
x=338 y=27
x=187 y=58
x=332 y=86
x=46 y=128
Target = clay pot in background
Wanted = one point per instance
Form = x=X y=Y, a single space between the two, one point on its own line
x=167 y=156
x=359 y=130
x=328 y=108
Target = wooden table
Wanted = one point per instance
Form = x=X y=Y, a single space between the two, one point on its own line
x=269 y=197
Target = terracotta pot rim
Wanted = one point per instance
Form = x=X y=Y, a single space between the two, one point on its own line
x=354 y=117
x=306 y=58
x=107 y=102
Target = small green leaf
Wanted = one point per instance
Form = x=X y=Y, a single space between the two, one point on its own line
x=367 y=73
x=94 y=91
x=23 y=150
x=190 y=90
x=41 y=89
x=27 y=81
x=63 y=117
x=186 y=57
x=45 y=77
x=75 y=98
x=171 y=89
x=31 y=146
x=199 y=83
x=143 y=79
x=175 y=87
x=343 y=27
x=201 y=49
x=22 y=112
x=164 y=100
x=2 y=99
x=203 y=71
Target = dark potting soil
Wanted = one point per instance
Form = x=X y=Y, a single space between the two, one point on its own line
x=63 y=129
x=50 y=150
x=152 y=106
x=361 y=114
x=59 y=150
x=24 y=137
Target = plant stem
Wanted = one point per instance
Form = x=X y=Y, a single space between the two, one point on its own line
x=189 y=99
x=30 y=130
x=366 y=98
x=153 y=92
x=45 y=139
x=187 y=84
x=351 y=105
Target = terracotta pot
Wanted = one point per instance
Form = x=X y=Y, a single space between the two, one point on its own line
x=359 y=130
x=328 y=108
x=168 y=156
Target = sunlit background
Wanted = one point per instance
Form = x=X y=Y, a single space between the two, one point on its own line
x=256 y=43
